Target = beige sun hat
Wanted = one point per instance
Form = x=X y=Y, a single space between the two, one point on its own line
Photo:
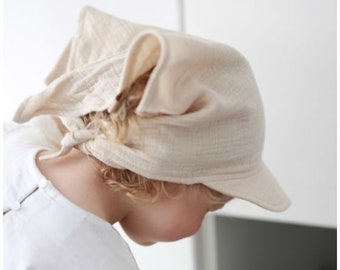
x=207 y=123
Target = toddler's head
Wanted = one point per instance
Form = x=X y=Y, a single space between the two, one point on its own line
x=164 y=113
x=168 y=211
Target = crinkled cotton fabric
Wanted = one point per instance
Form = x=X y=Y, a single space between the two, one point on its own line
x=41 y=228
x=201 y=112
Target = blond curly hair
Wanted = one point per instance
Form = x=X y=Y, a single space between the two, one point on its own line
x=117 y=126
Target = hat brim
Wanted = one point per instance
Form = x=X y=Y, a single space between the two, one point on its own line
x=261 y=188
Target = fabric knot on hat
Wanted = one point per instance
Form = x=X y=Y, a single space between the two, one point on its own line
x=71 y=139
x=76 y=137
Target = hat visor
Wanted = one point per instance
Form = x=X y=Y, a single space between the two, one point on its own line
x=260 y=188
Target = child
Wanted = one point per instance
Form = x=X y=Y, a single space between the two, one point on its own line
x=151 y=128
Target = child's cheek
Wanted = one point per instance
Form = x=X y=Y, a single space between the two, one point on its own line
x=136 y=232
x=163 y=229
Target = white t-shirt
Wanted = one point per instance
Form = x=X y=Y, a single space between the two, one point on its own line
x=41 y=228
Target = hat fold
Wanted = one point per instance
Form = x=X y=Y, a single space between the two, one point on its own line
x=86 y=89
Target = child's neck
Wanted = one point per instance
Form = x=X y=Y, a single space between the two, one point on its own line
x=76 y=177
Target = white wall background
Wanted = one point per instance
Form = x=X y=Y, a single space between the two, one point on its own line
x=291 y=45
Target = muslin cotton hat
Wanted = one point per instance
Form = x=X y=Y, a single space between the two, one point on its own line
x=201 y=111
